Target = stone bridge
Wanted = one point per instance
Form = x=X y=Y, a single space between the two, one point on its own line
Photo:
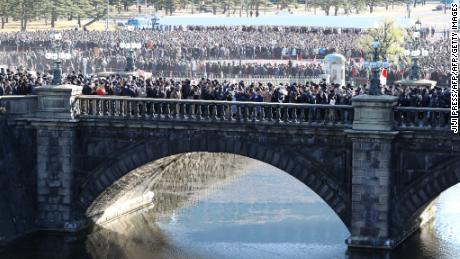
x=379 y=167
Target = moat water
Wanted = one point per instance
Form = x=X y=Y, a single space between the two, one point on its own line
x=261 y=213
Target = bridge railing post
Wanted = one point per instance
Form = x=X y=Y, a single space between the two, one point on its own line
x=372 y=135
x=373 y=112
x=55 y=102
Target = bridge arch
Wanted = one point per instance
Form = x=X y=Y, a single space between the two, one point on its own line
x=301 y=167
x=419 y=194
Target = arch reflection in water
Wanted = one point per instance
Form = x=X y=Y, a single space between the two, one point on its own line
x=177 y=182
x=166 y=184
x=216 y=209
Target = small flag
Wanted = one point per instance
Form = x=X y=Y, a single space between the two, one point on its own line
x=384 y=73
x=383 y=76
x=354 y=71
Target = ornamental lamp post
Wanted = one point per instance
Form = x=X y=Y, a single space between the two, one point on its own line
x=375 y=67
x=58 y=56
x=130 y=46
x=415 y=53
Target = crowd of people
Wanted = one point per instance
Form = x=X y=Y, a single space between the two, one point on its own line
x=201 y=51
x=23 y=82
x=170 y=68
x=205 y=42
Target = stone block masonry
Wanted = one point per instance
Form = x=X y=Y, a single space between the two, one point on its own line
x=56 y=157
x=371 y=190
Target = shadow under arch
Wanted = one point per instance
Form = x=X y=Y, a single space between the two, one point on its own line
x=306 y=170
x=421 y=193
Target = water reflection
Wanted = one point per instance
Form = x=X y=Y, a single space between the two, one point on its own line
x=166 y=184
x=249 y=211
x=263 y=214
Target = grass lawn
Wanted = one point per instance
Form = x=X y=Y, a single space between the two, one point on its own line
x=14 y=26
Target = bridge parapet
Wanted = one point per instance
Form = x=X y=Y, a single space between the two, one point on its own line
x=19 y=105
x=91 y=107
x=64 y=102
x=427 y=119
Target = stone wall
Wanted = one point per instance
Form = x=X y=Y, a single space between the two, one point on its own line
x=424 y=166
x=17 y=181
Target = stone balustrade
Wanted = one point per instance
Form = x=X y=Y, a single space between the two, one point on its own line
x=215 y=111
x=404 y=118
x=18 y=105
x=426 y=118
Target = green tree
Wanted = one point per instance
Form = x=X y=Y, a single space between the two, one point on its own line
x=282 y=4
x=357 y=5
x=338 y=4
x=5 y=11
x=213 y=4
x=325 y=5
x=94 y=9
x=261 y=3
x=235 y=5
x=372 y=4
x=182 y=4
x=57 y=8
x=391 y=39
x=24 y=10
x=168 y=6
x=127 y=3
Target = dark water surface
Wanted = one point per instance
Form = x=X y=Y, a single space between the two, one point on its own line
x=263 y=213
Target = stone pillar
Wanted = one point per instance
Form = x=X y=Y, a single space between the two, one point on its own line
x=373 y=112
x=372 y=138
x=55 y=102
x=56 y=145
x=55 y=160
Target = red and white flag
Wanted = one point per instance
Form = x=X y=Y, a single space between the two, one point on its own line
x=383 y=76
